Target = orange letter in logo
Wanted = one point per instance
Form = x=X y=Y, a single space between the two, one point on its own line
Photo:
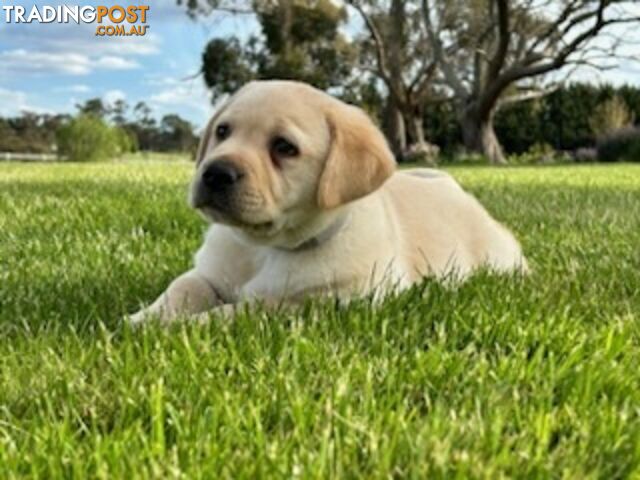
x=120 y=10
x=132 y=16
x=143 y=12
x=102 y=11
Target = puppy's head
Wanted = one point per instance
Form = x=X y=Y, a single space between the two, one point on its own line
x=280 y=157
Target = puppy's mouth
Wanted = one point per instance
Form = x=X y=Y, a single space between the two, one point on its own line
x=222 y=209
x=257 y=229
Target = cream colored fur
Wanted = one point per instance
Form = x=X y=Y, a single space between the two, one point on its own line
x=336 y=219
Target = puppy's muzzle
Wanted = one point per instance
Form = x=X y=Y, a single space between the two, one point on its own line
x=217 y=184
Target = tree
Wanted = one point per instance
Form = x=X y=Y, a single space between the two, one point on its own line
x=94 y=107
x=611 y=115
x=503 y=48
x=300 y=40
x=226 y=66
x=119 y=112
x=177 y=134
x=144 y=126
x=30 y=132
x=88 y=138
x=395 y=50
x=142 y=112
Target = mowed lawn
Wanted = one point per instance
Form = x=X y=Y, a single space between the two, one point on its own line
x=499 y=377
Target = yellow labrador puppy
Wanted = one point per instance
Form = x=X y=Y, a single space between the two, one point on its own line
x=304 y=199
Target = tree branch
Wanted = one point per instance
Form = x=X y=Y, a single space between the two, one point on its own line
x=528 y=95
x=504 y=36
x=529 y=67
x=447 y=69
x=381 y=56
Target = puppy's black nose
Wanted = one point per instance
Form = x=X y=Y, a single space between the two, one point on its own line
x=221 y=175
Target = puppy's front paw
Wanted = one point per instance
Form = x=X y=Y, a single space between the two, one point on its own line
x=140 y=317
x=224 y=312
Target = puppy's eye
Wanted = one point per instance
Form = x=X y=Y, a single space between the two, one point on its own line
x=223 y=131
x=283 y=148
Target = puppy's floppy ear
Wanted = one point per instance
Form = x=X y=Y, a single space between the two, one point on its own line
x=359 y=159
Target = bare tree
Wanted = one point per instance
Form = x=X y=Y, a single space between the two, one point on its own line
x=395 y=52
x=504 y=47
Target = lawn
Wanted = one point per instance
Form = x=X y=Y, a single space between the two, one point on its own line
x=500 y=377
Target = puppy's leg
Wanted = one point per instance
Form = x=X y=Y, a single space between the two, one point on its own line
x=188 y=294
x=228 y=311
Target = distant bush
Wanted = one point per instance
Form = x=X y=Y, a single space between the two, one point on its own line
x=30 y=132
x=88 y=138
x=621 y=145
x=426 y=154
x=585 y=154
x=462 y=157
x=611 y=115
x=538 y=153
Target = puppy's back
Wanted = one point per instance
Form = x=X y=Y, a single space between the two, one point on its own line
x=446 y=229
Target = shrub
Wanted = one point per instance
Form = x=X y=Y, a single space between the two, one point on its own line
x=425 y=153
x=88 y=138
x=463 y=157
x=585 y=154
x=536 y=154
x=609 y=116
x=127 y=139
x=621 y=145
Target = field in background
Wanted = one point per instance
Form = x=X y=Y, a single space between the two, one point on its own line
x=499 y=377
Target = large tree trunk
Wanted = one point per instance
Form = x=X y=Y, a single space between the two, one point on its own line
x=420 y=149
x=395 y=128
x=397 y=121
x=416 y=128
x=479 y=136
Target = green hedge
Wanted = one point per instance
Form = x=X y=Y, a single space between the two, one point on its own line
x=560 y=119
x=620 y=146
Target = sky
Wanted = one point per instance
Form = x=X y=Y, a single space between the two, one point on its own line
x=50 y=68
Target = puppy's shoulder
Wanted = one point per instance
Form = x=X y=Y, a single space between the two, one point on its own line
x=224 y=259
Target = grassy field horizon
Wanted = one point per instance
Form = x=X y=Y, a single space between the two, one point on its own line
x=499 y=377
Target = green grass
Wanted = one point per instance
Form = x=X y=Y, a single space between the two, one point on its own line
x=501 y=377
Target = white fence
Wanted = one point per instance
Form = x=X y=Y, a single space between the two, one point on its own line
x=29 y=157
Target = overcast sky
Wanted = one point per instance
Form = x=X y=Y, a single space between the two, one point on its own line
x=52 y=67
